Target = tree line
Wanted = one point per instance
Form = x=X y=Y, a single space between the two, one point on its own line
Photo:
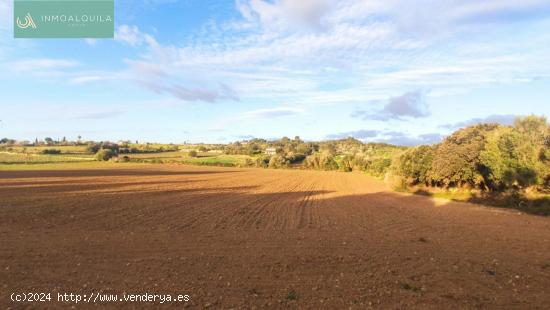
x=489 y=157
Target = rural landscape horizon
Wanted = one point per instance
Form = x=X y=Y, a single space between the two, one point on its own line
x=275 y=154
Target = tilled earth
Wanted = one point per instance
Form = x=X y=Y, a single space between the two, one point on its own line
x=253 y=238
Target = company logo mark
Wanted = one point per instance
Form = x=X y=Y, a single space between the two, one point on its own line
x=29 y=22
x=63 y=18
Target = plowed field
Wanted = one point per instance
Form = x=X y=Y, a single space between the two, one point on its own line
x=253 y=238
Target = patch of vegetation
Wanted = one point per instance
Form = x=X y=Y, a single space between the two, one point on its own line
x=7 y=158
x=408 y=287
x=50 y=151
x=105 y=154
x=292 y=295
x=488 y=157
x=504 y=166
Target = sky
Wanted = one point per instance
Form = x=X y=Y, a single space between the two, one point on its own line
x=396 y=71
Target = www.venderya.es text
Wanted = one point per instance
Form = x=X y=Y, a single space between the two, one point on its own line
x=93 y=297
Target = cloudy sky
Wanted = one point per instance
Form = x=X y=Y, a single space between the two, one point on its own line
x=399 y=71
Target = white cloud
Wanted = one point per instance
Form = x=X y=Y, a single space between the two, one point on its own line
x=91 y=42
x=503 y=119
x=90 y=78
x=390 y=137
x=42 y=64
x=281 y=13
x=280 y=49
x=272 y=113
x=408 y=105
x=130 y=35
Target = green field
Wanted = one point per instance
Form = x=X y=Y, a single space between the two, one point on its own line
x=204 y=159
x=163 y=155
x=65 y=149
x=18 y=158
x=217 y=160
x=10 y=160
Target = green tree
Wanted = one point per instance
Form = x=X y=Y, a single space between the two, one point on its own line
x=104 y=154
x=510 y=158
x=456 y=160
x=415 y=164
x=278 y=161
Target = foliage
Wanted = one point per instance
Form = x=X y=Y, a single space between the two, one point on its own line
x=262 y=161
x=278 y=161
x=192 y=153
x=489 y=157
x=51 y=151
x=93 y=148
x=457 y=159
x=104 y=154
x=321 y=161
x=511 y=159
x=414 y=164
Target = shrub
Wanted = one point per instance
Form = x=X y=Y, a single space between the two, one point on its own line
x=321 y=161
x=192 y=154
x=93 y=148
x=346 y=163
x=262 y=161
x=51 y=151
x=248 y=163
x=278 y=161
x=414 y=164
x=104 y=154
x=379 y=166
x=511 y=159
x=456 y=160
x=294 y=158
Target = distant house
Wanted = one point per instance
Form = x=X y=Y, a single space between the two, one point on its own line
x=271 y=151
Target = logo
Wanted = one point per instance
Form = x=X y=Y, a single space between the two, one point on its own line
x=29 y=22
x=63 y=18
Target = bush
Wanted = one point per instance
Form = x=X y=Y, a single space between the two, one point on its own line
x=379 y=166
x=278 y=161
x=249 y=162
x=192 y=154
x=104 y=154
x=321 y=161
x=262 y=161
x=414 y=164
x=93 y=148
x=485 y=156
x=456 y=160
x=295 y=158
x=511 y=159
x=346 y=163
x=51 y=152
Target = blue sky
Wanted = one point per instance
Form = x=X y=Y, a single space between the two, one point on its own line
x=218 y=71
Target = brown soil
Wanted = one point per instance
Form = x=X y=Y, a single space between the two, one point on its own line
x=252 y=238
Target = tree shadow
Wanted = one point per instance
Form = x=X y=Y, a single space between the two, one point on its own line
x=514 y=200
